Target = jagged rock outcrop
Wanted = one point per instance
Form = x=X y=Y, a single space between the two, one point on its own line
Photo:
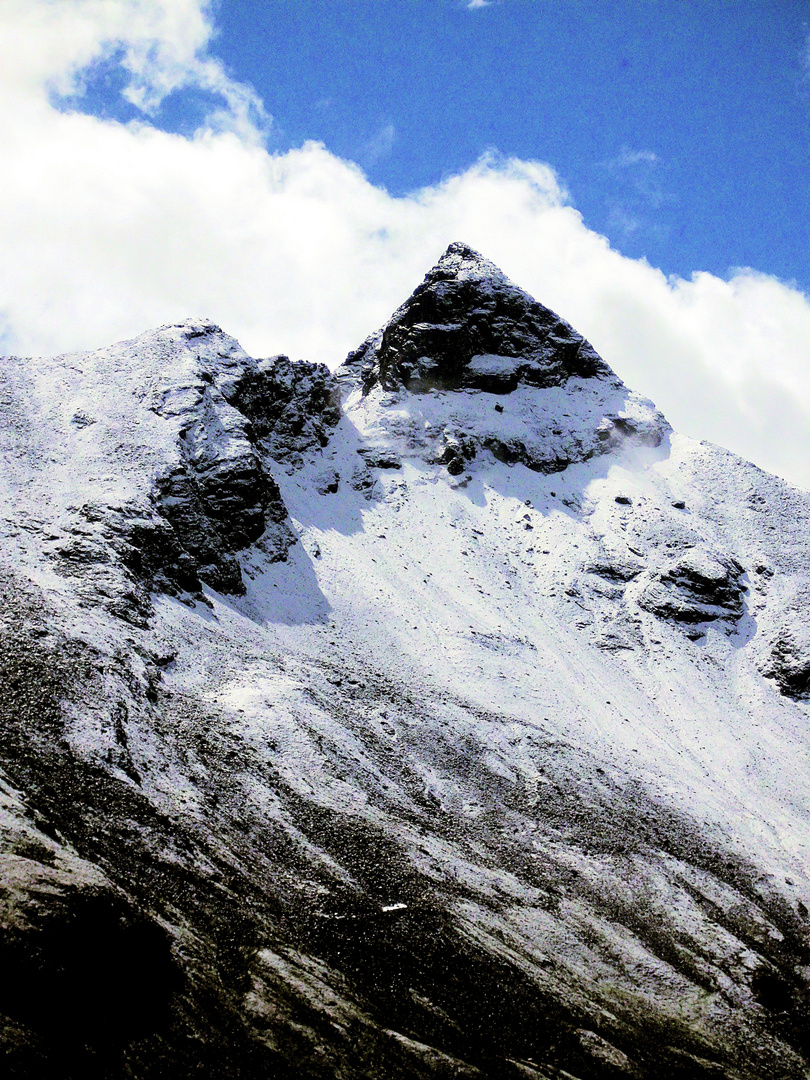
x=233 y=419
x=516 y=381
x=785 y=651
x=697 y=587
x=788 y=663
x=214 y=424
x=468 y=327
x=292 y=406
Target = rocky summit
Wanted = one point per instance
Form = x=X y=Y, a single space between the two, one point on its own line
x=442 y=716
x=468 y=326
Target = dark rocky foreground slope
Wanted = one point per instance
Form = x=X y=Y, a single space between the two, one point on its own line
x=456 y=732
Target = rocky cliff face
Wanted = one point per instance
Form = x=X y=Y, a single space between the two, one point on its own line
x=445 y=717
x=468 y=327
x=220 y=496
x=471 y=335
x=167 y=442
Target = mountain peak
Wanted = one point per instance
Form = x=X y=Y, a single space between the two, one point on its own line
x=474 y=709
x=467 y=326
x=466 y=340
x=462 y=261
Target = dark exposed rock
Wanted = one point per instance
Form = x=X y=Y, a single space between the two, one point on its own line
x=615 y=569
x=698 y=587
x=221 y=496
x=292 y=406
x=362 y=480
x=468 y=327
x=379 y=459
x=468 y=331
x=456 y=450
x=541 y=459
x=80 y=964
x=787 y=662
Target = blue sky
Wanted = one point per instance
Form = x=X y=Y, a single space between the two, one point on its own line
x=680 y=128
x=291 y=169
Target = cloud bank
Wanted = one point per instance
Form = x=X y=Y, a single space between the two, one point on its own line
x=109 y=229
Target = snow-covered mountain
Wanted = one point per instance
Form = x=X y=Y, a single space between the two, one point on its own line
x=442 y=717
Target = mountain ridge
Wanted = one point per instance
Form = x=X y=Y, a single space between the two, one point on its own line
x=395 y=725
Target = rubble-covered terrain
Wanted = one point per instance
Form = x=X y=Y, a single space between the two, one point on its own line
x=444 y=716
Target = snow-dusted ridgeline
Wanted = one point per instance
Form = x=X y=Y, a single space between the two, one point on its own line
x=459 y=729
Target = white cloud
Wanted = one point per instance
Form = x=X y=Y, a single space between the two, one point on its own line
x=109 y=229
x=379 y=145
x=633 y=194
x=627 y=158
x=50 y=46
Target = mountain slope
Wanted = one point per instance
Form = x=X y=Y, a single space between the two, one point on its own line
x=442 y=717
